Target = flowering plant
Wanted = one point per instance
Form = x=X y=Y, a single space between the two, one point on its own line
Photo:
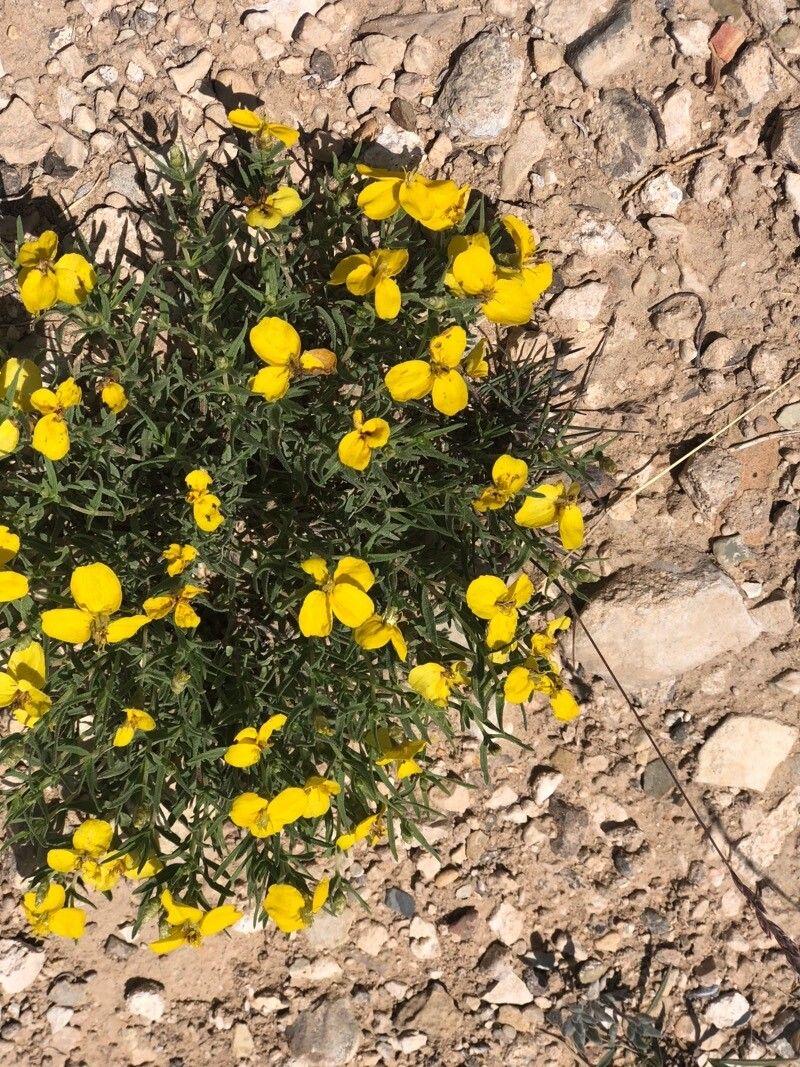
x=282 y=514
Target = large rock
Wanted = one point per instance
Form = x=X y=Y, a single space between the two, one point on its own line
x=326 y=1034
x=19 y=965
x=23 y=139
x=478 y=96
x=743 y=752
x=654 y=623
x=433 y=1011
x=606 y=49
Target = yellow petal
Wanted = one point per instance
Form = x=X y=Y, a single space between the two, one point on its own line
x=509 y=304
x=158 y=607
x=411 y=380
x=287 y=135
x=447 y=348
x=361 y=279
x=247 y=808
x=93 y=837
x=67 y=624
x=96 y=588
x=28 y=664
x=286 y=807
x=519 y=685
x=379 y=199
x=8 y=689
x=570 y=527
x=483 y=594
x=522 y=236
x=374 y=633
x=564 y=706
x=501 y=629
x=9 y=437
x=449 y=393
x=407 y=768
x=198 y=480
x=387 y=299
x=399 y=643
x=185 y=616
x=350 y=605
x=390 y=261
x=376 y=432
x=275 y=341
x=243 y=754
x=218 y=919
x=353 y=451
x=163 y=945
x=317 y=568
x=207 y=513
x=68 y=394
x=284 y=905
x=68 y=922
x=537 y=280
x=113 y=396
x=51 y=437
x=140 y=720
x=474 y=270
x=13 y=586
x=539 y=509
x=271 y=383
x=44 y=401
x=38 y=291
x=521 y=590
x=22 y=378
x=123 y=629
x=62 y=860
x=271 y=726
x=285 y=200
x=318 y=361
x=355 y=570
x=245 y=119
x=315 y=617
x=52 y=900
x=75 y=278
x=346 y=266
x=9 y=545
x=123 y=736
x=177 y=912
x=429 y=680
x=320 y=897
x=41 y=249
x=509 y=474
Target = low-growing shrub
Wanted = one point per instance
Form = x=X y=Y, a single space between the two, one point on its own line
x=281 y=516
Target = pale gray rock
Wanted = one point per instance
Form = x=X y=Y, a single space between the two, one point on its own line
x=579 y=304
x=731 y=1009
x=626 y=135
x=744 y=752
x=789 y=416
x=774 y=615
x=20 y=965
x=480 y=92
x=762 y=846
x=529 y=147
x=607 y=49
x=23 y=139
x=677 y=316
x=751 y=73
x=190 y=74
x=691 y=36
x=785 y=141
x=143 y=997
x=326 y=1034
x=509 y=989
x=788 y=682
x=711 y=477
x=566 y=21
x=655 y=623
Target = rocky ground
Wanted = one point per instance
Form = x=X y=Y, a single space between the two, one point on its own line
x=667 y=189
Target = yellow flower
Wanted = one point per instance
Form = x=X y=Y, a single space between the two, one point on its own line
x=47 y=914
x=178 y=558
x=476 y=364
x=45 y=280
x=503 y=294
x=114 y=397
x=98 y=595
x=21 y=378
x=435 y=204
x=544 y=644
x=261 y=130
x=90 y=846
x=21 y=684
x=369 y=828
x=9 y=437
x=509 y=476
x=401 y=754
x=490 y=598
x=290 y=909
x=188 y=926
x=185 y=617
x=273 y=208
x=278 y=344
x=415 y=378
x=137 y=868
x=523 y=682
x=205 y=506
x=537 y=277
x=554 y=504
x=356 y=447
x=378 y=631
x=263 y=818
x=251 y=743
x=374 y=273
x=135 y=719
x=318 y=793
x=51 y=433
x=435 y=682
x=13 y=586
x=342 y=594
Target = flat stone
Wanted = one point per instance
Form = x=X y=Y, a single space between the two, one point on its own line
x=326 y=1034
x=762 y=846
x=774 y=615
x=479 y=94
x=731 y=1009
x=23 y=139
x=20 y=965
x=143 y=997
x=711 y=477
x=566 y=22
x=579 y=304
x=509 y=989
x=656 y=780
x=626 y=135
x=676 y=114
x=401 y=902
x=751 y=72
x=789 y=416
x=433 y=1010
x=607 y=49
x=677 y=316
x=655 y=623
x=508 y=923
x=188 y=75
x=730 y=551
x=385 y=53
x=744 y=751
x=691 y=36
x=529 y=147
x=788 y=682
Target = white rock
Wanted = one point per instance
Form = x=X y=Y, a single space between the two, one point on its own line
x=503 y=797
x=413 y=1042
x=761 y=847
x=752 y=72
x=661 y=196
x=789 y=416
x=676 y=114
x=609 y=48
x=774 y=615
x=282 y=16
x=509 y=989
x=269 y=48
x=478 y=97
x=654 y=623
x=372 y=937
x=691 y=37
x=529 y=146
x=546 y=784
x=744 y=751
x=385 y=53
x=726 y=1011
x=242 y=1045
x=58 y=1017
x=425 y=941
x=187 y=76
x=19 y=965
x=23 y=139
x=145 y=1000
x=791 y=183
x=421 y=56
x=508 y=923
x=788 y=682
x=595 y=238
x=583 y=303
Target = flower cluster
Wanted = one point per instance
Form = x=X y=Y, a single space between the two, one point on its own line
x=243 y=690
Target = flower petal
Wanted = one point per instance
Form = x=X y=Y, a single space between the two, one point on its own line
x=539 y=509
x=75 y=278
x=509 y=474
x=355 y=569
x=68 y=922
x=315 y=617
x=51 y=437
x=570 y=527
x=350 y=604
x=387 y=298
x=447 y=348
x=379 y=200
x=218 y=919
x=272 y=383
x=346 y=266
x=246 y=808
x=93 y=837
x=449 y=393
x=123 y=629
x=411 y=380
x=354 y=451
x=275 y=341
x=483 y=594
x=13 y=586
x=243 y=754
x=67 y=624
x=37 y=290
